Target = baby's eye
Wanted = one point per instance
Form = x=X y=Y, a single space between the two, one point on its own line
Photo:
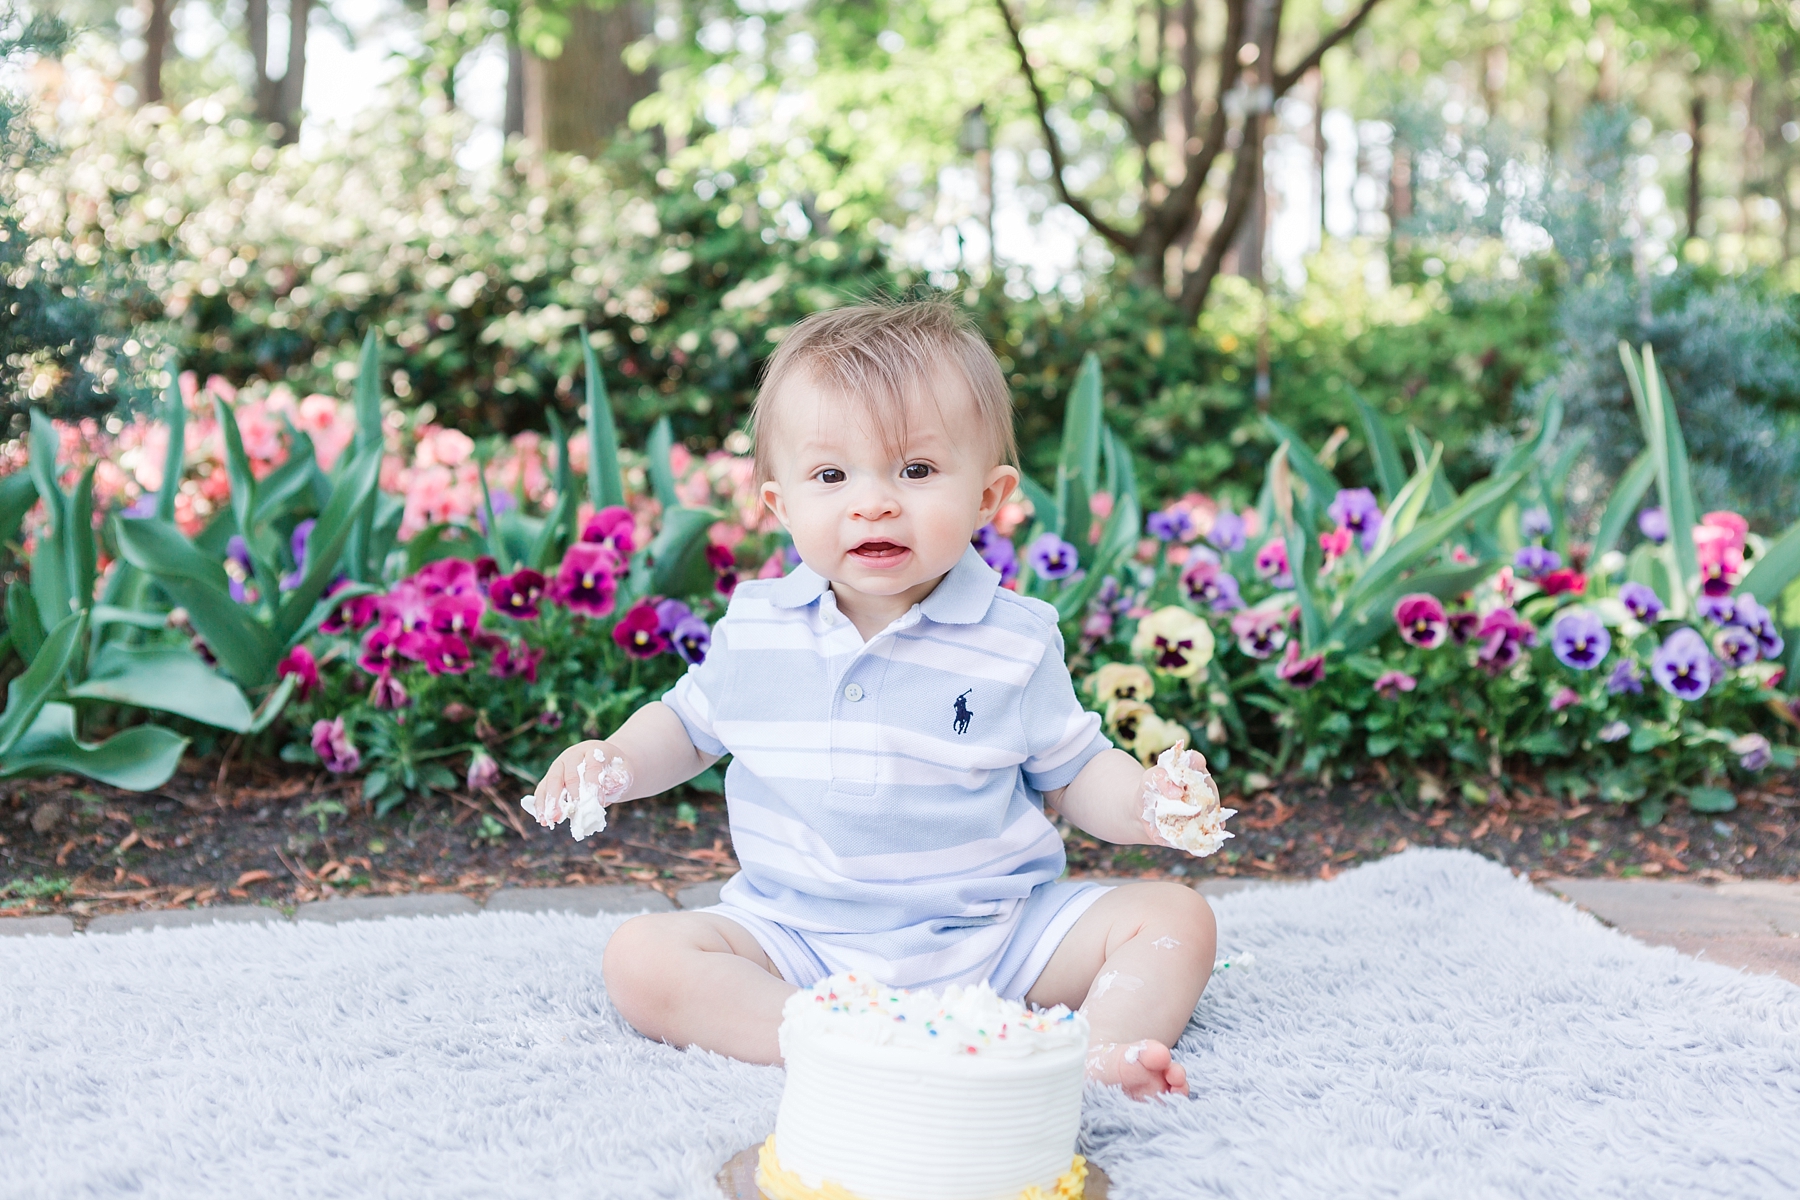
x=830 y=475
x=916 y=471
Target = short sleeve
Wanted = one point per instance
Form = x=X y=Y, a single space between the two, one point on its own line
x=694 y=693
x=1060 y=735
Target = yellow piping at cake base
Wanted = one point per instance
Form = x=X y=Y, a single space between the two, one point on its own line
x=778 y=1183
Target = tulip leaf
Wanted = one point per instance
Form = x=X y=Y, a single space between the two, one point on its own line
x=559 y=526
x=1361 y=627
x=78 y=540
x=677 y=554
x=1116 y=541
x=24 y=623
x=1622 y=505
x=1388 y=468
x=29 y=692
x=1044 y=512
x=1403 y=514
x=18 y=496
x=1121 y=470
x=656 y=462
x=606 y=486
x=1320 y=483
x=1662 y=434
x=50 y=582
x=1078 y=465
x=361 y=562
x=157 y=547
x=137 y=759
x=273 y=704
x=350 y=498
x=109 y=614
x=168 y=679
x=1429 y=534
x=1442 y=494
x=175 y=417
x=1776 y=567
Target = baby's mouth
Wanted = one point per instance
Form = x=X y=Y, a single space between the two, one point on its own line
x=879 y=553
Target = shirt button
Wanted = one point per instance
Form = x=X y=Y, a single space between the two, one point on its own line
x=829 y=618
x=853 y=693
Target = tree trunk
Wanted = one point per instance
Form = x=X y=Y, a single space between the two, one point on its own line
x=513 y=123
x=1784 y=157
x=1696 y=130
x=256 y=19
x=156 y=49
x=579 y=100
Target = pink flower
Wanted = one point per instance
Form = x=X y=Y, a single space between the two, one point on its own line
x=640 y=631
x=1336 y=544
x=380 y=650
x=1392 y=683
x=1260 y=632
x=1298 y=672
x=1563 y=579
x=456 y=614
x=720 y=558
x=511 y=661
x=1272 y=563
x=518 y=595
x=614 y=525
x=484 y=772
x=406 y=609
x=586 y=582
x=1720 y=551
x=301 y=664
x=386 y=692
x=1503 y=636
x=444 y=654
x=331 y=742
x=1564 y=697
x=351 y=615
x=447 y=577
x=1421 y=620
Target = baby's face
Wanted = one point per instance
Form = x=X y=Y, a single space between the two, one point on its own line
x=882 y=520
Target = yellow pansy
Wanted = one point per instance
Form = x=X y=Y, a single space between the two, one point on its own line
x=1154 y=735
x=1126 y=681
x=1174 y=640
x=1124 y=716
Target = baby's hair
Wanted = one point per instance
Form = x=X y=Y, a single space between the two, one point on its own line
x=880 y=355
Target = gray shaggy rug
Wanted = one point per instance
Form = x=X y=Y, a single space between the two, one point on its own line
x=1428 y=1026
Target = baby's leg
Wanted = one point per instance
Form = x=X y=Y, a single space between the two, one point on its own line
x=697 y=979
x=1135 y=963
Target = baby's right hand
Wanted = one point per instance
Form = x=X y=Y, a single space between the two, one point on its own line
x=557 y=792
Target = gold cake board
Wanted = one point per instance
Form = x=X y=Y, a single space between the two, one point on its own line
x=737 y=1178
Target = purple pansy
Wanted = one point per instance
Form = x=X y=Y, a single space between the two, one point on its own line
x=1720 y=610
x=1536 y=523
x=1300 y=673
x=1754 y=617
x=1565 y=697
x=1653 y=523
x=1392 y=683
x=238 y=568
x=691 y=640
x=1051 y=557
x=1579 y=640
x=1227 y=532
x=997 y=551
x=1421 y=620
x=1169 y=524
x=1683 y=666
x=1753 y=751
x=1537 y=561
x=1736 y=646
x=297 y=543
x=1355 y=509
x=1625 y=679
x=1503 y=635
x=1641 y=601
x=331 y=742
x=1210 y=584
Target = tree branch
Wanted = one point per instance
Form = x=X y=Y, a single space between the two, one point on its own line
x=1244 y=174
x=1118 y=237
x=1289 y=78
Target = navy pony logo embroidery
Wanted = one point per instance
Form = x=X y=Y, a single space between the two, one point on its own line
x=961 y=724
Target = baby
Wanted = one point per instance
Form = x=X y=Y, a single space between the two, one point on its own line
x=898 y=724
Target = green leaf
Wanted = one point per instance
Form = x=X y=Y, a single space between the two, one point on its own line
x=109 y=614
x=175 y=417
x=1776 y=567
x=78 y=540
x=1622 y=505
x=559 y=527
x=24 y=622
x=273 y=703
x=352 y=497
x=1545 y=743
x=1388 y=468
x=137 y=759
x=18 y=496
x=1652 y=811
x=293 y=478
x=1116 y=541
x=1711 y=800
x=1302 y=550
x=1078 y=465
x=1649 y=737
x=237 y=468
x=159 y=548
x=1044 y=511
x=27 y=694
x=1442 y=494
x=1360 y=627
x=606 y=486
x=496 y=539
x=1409 y=503
x=1381 y=744
x=361 y=560
x=50 y=582
x=1662 y=434
x=168 y=679
x=677 y=554
x=656 y=462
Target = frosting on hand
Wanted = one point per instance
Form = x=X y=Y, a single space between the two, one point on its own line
x=1181 y=803
x=586 y=810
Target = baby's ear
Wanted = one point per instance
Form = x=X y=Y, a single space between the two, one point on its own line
x=770 y=492
x=1002 y=481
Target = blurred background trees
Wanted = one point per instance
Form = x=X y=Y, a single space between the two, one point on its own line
x=1246 y=206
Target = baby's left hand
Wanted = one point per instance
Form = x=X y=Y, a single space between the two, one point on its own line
x=1181 y=803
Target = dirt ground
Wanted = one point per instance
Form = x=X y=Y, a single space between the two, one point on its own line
x=275 y=834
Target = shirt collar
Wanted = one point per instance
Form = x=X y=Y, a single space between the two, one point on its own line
x=961 y=598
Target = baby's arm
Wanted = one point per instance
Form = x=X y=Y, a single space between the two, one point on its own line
x=654 y=745
x=1107 y=800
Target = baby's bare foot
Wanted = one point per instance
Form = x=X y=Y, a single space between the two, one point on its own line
x=1144 y=1069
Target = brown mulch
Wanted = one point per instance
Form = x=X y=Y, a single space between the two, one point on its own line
x=71 y=846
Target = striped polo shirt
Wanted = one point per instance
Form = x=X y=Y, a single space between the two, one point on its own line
x=886 y=796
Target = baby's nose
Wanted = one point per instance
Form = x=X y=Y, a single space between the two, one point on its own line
x=874 y=500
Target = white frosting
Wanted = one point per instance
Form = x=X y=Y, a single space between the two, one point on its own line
x=881 y=1106
x=1182 y=801
x=586 y=811
x=960 y=1021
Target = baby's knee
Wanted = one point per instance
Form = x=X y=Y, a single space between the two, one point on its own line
x=633 y=965
x=1182 y=919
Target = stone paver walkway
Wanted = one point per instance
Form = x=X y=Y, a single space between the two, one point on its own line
x=1754 y=925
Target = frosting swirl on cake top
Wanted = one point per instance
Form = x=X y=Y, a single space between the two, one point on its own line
x=960 y=1020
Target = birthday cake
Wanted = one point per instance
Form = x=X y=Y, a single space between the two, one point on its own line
x=911 y=1095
